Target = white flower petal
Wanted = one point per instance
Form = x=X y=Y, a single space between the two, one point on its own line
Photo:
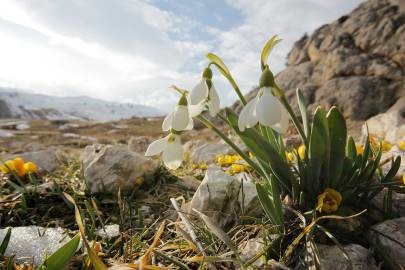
x=282 y=126
x=214 y=102
x=156 y=147
x=173 y=154
x=167 y=123
x=190 y=125
x=247 y=116
x=199 y=93
x=268 y=109
x=180 y=118
x=195 y=110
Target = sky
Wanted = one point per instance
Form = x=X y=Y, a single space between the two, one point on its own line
x=134 y=50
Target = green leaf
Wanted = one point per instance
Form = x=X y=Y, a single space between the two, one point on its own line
x=319 y=149
x=351 y=151
x=5 y=242
x=393 y=171
x=304 y=112
x=62 y=256
x=338 y=137
x=267 y=204
x=268 y=47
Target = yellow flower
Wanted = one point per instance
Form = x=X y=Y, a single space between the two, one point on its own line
x=403 y=179
x=359 y=149
x=8 y=166
x=290 y=156
x=301 y=151
x=386 y=146
x=19 y=166
x=203 y=166
x=401 y=145
x=30 y=167
x=329 y=201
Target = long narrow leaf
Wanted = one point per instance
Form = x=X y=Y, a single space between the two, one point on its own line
x=5 y=242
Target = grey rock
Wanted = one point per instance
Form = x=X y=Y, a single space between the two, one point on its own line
x=108 y=168
x=139 y=144
x=224 y=198
x=207 y=152
x=391 y=249
x=47 y=160
x=109 y=231
x=32 y=244
x=331 y=258
x=250 y=249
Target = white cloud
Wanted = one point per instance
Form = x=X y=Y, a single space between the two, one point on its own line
x=132 y=50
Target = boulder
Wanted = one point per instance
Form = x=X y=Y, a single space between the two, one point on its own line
x=139 y=144
x=356 y=63
x=389 y=125
x=389 y=242
x=331 y=258
x=32 y=244
x=207 y=152
x=224 y=198
x=108 y=168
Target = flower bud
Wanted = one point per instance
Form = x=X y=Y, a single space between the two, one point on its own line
x=267 y=78
x=207 y=74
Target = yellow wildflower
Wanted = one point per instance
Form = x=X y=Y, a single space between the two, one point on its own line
x=8 y=166
x=290 y=156
x=238 y=168
x=401 y=145
x=203 y=166
x=301 y=151
x=386 y=146
x=329 y=201
x=359 y=149
x=19 y=166
x=30 y=167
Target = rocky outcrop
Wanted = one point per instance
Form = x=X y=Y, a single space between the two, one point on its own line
x=356 y=62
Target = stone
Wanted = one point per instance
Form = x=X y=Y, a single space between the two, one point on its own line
x=109 y=231
x=108 y=168
x=47 y=160
x=331 y=258
x=139 y=144
x=207 y=152
x=389 y=125
x=398 y=202
x=33 y=244
x=356 y=63
x=224 y=198
x=386 y=158
x=389 y=245
x=250 y=249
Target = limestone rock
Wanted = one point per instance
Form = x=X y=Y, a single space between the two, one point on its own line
x=139 y=144
x=32 y=243
x=108 y=168
x=356 y=62
x=331 y=258
x=394 y=229
x=223 y=197
x=207 y=152
x=389 y=125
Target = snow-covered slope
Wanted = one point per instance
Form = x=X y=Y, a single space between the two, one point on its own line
x=17 y=104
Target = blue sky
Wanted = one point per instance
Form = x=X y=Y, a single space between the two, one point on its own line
x=133 y=50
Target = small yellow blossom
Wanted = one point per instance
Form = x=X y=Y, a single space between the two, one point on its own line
x=19 y=166
x=386 y=146
x=401 y=146
x=301 y=151
x=289 y=156
x=359 y=149
x=8 y=166
x=30 y=167
x=329 y=201
x=203 y=166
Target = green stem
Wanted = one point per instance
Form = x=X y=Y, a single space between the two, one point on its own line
x=211 y=126
x=294 y=118
x=229 y=77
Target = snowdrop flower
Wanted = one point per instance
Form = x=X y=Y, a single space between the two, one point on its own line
x=265 y=108
x=171 y=149
x=180 y=118
x=204 y=93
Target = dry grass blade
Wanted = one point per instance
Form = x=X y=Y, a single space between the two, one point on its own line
x=221 y=235
x=95 y=260
x=290 y=249
x=188 y=238
x=146 y=258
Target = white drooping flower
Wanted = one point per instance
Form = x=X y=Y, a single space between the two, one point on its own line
x=264 y=109
x=204 y=93
x=171 y=149
x=180 y=119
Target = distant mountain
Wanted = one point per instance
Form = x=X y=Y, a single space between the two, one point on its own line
x=18 y=104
